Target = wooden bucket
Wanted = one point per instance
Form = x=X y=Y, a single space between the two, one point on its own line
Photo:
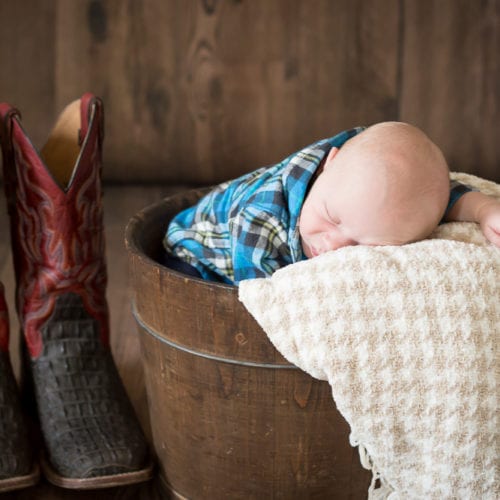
x=230 y=417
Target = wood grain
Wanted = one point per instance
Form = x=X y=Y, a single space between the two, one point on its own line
x=201 y=91
x=27 y=62
x=451 y=79
x=238 y=84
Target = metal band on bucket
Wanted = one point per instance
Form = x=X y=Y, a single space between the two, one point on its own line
x=159 y=337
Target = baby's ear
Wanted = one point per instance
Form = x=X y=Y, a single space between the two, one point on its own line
x=330 y=156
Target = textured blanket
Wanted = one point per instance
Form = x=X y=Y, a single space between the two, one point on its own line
x=407 y=338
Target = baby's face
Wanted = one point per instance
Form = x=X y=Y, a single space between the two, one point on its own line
x=351 y=207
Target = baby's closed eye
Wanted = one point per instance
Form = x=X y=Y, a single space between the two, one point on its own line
x=332 y=217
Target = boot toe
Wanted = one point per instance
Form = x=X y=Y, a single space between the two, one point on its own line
x=76 y=456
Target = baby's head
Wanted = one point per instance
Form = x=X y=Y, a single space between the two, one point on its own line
x=389 y=185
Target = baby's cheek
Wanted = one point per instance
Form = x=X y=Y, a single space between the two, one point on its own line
x=307 y=224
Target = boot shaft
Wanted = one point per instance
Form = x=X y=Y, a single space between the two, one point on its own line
x=56 y=216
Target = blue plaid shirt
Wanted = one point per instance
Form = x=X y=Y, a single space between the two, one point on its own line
x=247 y=228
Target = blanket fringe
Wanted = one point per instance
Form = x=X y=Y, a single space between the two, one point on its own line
x=379 y=488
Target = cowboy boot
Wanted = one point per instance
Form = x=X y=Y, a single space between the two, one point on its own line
x=17 y=467
x=91 y=434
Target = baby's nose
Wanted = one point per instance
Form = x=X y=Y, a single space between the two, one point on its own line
x=334 y=241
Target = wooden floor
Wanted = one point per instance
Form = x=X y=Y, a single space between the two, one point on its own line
x=120 y=204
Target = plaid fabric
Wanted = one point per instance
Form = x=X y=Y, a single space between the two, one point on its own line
x=247 y=227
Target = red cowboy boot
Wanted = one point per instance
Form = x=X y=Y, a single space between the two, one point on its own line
x=17 y=467
x=92 y=437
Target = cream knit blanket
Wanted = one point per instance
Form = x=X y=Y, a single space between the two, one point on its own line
x=407 y=338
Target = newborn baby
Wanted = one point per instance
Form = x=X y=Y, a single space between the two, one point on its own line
x=384 y=185
x=387 y=186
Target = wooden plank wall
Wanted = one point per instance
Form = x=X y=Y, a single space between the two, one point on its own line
x=200 y=91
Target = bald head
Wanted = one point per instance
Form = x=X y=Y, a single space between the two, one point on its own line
x=405 y=172
x=388 y=185
x=398 y=147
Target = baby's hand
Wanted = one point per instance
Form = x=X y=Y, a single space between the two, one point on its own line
x=478 y=207
x=489 y=220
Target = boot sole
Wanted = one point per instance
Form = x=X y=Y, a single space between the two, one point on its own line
x=18 y=482
x=89 y=483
